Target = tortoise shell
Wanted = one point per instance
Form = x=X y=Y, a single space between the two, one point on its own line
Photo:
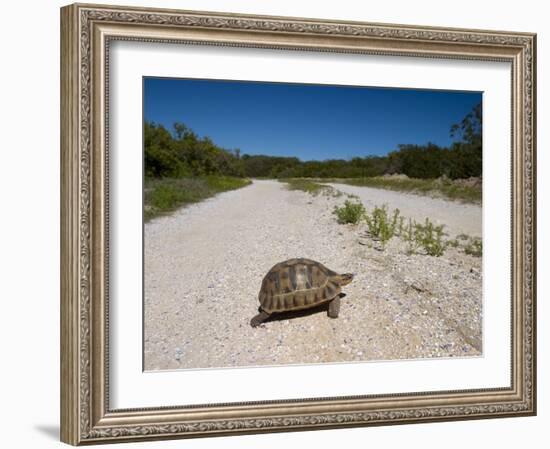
x=297 y=284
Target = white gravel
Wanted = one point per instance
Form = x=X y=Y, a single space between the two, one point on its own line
x=204 y=265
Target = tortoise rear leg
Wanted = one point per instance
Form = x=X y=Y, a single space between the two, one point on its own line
x=259 y=319
x=334 y=307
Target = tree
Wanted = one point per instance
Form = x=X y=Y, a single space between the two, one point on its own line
x=184 y=153
x=468 y=131
x=160 y=154
x=467 y=151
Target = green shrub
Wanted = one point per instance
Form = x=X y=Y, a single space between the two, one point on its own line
x=430 y=237
x=426 y=236
x=383 y=226
x=182 y=153
x=349 y=212
x=453 y=243
x=409 y=234
x=163 y=195
x=400 y=223
x=474 y=247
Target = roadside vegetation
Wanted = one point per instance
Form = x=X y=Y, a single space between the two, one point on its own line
x=383 y=226
x=182 y=168
x=421 y=238
x=307 y=185
x=464 y=190
x=163 y=195
x=468 y=192
x=474 y=247
x=181 y=153
x=350 y=212
x=427 y=236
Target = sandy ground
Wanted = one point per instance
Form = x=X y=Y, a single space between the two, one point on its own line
x=204 y=265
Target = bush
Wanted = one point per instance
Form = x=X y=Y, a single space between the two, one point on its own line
x=453 y=243
x=426 y=236
x=166 y=197
x=183 y=154
x=430 y=237
x=474 y=247
x=409 y=234
x=382 y=226
x=350 y=212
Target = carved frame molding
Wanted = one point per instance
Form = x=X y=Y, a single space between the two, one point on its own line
x=87 y=31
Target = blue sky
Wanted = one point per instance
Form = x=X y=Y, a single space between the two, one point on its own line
x=312 y=122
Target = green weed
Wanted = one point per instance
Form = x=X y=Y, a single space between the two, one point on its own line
x=349 y=212
x=162 y=195
x=409 y=235
x=454 y=243
x=474 y=247
x=430 y=237
x=426 y=236
x=383 y=226
x=305 y=185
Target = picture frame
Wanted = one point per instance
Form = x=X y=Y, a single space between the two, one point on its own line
x=87 y=32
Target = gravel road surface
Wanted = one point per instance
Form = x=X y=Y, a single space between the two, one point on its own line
x=204 y=265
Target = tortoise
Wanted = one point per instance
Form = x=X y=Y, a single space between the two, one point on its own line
x=298 y=284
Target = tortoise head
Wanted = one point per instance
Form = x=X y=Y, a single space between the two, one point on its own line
x=343 y=279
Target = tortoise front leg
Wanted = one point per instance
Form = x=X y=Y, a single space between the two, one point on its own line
x=334 y=307
x=259 y=319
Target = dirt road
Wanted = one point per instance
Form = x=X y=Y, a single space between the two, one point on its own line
x=204 y=265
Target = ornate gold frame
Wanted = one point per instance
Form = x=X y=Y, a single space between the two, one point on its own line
x=86 y=31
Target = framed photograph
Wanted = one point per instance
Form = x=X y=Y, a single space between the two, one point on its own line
x=278 y=224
